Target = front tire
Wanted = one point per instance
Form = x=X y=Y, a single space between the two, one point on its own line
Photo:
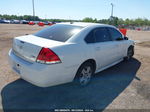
x=130 y=53
x=84 y=74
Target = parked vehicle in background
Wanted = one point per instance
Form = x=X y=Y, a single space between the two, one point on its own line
x=41 y=24
x=15 y=21
x=24 y=22
x=36 y=22
x=5 y=21
x=49 y=23
x=1 y=21
x=32 y=23
x=65 y=52
x=46 y=23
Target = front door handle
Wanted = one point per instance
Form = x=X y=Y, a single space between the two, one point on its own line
x=97 y=48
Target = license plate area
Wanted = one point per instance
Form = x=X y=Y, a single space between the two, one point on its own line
x=16 y=67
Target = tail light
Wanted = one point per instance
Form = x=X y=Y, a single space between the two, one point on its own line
x=47 y=56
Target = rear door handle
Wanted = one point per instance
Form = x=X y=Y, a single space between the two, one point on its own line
x=97 y=48
x=117 y=45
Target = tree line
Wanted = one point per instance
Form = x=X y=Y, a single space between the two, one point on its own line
x=112 y=20
x=118 y=21
x=15 y=17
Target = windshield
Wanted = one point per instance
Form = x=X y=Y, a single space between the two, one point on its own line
x=59 y=32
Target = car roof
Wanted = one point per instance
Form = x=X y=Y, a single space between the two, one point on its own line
x=84 y=24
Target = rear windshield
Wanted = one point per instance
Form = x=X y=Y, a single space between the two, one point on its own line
x=59 y=32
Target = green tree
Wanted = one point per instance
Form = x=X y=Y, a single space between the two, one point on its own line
x=104 y=21
x=88 y=19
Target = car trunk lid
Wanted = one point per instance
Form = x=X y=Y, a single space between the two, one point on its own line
x=28 y=47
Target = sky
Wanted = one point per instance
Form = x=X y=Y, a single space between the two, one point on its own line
x=77 y=9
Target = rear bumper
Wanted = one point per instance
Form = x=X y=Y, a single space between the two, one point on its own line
x=40 y=74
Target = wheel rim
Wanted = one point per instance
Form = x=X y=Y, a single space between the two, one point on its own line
x=85 y=75
x=130 y=53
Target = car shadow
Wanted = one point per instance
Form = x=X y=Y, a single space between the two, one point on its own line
x=104 y=88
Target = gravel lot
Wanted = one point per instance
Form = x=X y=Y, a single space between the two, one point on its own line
x=124 y=86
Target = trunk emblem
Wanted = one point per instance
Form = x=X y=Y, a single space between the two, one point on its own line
x=20 y=46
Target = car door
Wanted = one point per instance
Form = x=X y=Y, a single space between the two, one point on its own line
x=118 y=40
x=105 y=49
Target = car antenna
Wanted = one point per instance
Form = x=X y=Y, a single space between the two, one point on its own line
x=71 y=22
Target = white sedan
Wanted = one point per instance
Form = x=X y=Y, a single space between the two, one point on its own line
x=66 y=52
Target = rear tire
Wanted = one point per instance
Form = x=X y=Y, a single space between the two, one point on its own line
x=84 y=74
x=130 y=53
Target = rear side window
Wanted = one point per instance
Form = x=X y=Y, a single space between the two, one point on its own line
x=115 y=34
x=59 y=32
x=90 y=38
x=101 y=35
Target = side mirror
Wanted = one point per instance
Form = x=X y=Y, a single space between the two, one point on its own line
x=118 y=39
x=126 y=38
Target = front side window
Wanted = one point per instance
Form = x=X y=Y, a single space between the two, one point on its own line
x=115 y=34
x=101 y=35
x=59 y=32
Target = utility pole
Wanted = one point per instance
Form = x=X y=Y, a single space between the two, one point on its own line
x=33 y=10
x=111 y=16
x=112 y=10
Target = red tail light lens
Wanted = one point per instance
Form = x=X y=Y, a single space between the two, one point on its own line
x=47 y=56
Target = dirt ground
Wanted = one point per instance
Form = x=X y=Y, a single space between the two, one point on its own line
x=134 y=96
x=7 y=33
